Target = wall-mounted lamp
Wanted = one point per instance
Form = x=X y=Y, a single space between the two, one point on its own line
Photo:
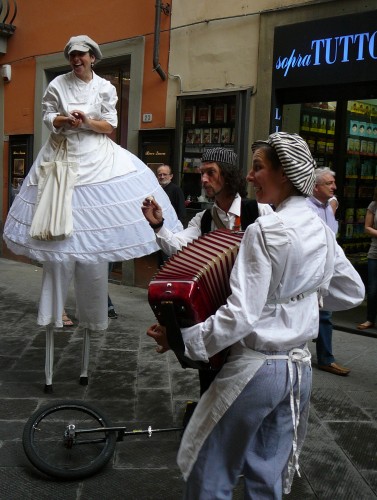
x=6 y=72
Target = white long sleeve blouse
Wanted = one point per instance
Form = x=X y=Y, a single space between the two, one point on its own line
x=98 y=157
x=279 y=260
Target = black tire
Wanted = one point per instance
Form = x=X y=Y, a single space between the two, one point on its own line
x=43 y=440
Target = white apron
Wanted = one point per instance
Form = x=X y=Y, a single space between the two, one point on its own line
x=240 y=367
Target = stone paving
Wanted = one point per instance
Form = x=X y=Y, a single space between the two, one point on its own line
x=137 y=387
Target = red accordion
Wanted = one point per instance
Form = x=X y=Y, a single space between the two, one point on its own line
x=192 y=285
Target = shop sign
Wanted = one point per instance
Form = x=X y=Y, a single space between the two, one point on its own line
x=327 y=51
x=155 y=154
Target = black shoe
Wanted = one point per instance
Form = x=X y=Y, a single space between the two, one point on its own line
x=112 y=314
x=189 y=410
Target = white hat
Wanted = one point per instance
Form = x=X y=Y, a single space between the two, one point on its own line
x=82 y=43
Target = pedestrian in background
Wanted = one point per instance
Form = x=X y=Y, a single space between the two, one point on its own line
x=175 y=193
x=323 y=192
x=371 y=230
x=176 y=197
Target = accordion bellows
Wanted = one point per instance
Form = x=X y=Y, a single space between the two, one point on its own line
x=195 y=280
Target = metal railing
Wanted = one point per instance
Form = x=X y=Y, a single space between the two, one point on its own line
x=8 y=12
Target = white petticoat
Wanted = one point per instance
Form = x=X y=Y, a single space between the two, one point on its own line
x=107 y=220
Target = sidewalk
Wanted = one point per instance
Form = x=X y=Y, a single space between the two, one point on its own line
x=347 y=321
x=137 y=387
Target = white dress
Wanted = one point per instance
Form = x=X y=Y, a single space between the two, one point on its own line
x=107 y=218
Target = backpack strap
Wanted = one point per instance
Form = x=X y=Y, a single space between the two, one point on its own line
x=249 y=214
x=206 y=222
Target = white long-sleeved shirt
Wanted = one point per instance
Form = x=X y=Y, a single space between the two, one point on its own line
x=277 y=263
x=171 y=242
x=97 y=156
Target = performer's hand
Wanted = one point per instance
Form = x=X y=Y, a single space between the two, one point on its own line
x=152 y=210
x=79 y=116
x=73 y=121
x=158 y=333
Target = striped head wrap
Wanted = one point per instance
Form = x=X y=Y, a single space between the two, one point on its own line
x=296 y=159
x=220 y=155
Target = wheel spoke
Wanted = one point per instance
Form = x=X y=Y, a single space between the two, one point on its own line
x=52 y=446
x=49 y=440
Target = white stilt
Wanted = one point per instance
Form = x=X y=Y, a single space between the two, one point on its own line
x=49 y=362
x=85 y=357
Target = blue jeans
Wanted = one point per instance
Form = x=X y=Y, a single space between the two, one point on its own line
x=324 y=340
x=372 y=291
x=254 y=437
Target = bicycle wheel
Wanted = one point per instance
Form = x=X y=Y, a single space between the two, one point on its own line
x=49 y=449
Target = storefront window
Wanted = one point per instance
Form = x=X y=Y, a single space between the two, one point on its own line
x=342 y=135
x=207 y=121
x=360 y=175
x=315 y=122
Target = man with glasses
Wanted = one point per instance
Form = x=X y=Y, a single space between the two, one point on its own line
x=323 y=192
x=174 y=192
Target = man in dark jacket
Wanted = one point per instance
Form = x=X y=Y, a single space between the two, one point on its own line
x=175 y=193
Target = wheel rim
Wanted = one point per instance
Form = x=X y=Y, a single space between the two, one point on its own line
x=49 y=445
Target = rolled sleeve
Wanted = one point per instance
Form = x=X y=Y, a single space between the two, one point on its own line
x=194 y=346
x=109 y=99
x=171 y=243
x=50 y=109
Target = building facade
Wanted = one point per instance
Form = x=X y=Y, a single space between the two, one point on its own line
x=251 y=68
x=134 y=41
x=191 y=75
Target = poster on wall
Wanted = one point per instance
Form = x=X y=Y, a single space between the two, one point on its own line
x=20 y=161
x=156 y=155
x=19 y=166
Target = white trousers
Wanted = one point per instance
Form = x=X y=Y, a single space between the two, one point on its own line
x=91 y=291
